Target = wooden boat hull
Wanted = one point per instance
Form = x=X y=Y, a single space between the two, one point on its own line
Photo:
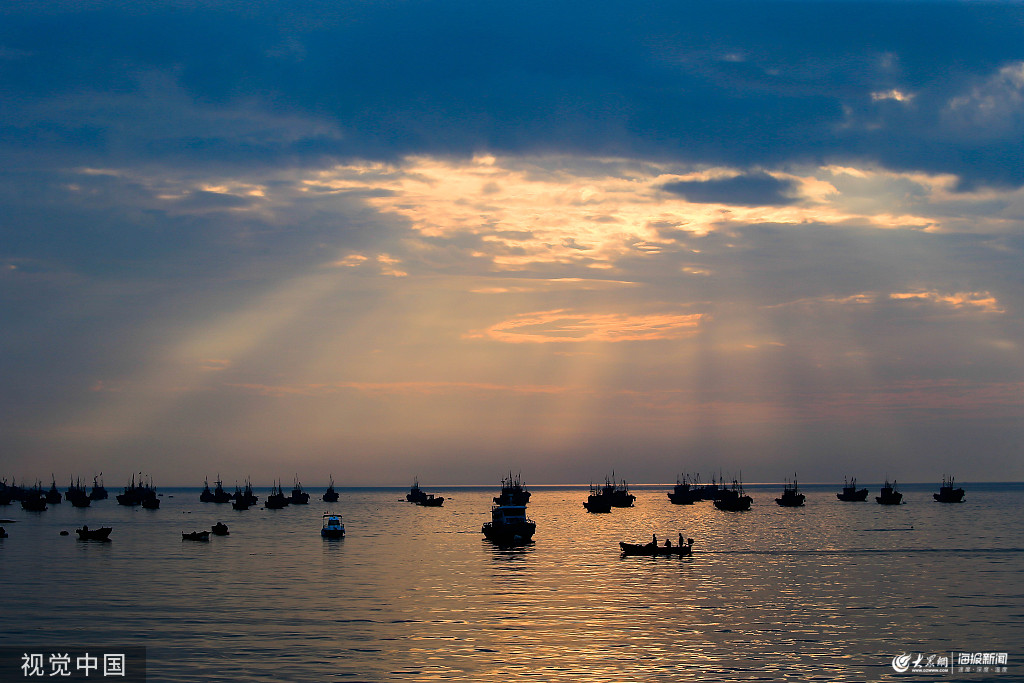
x=858 y=496
x=687 y=498
x=196 y=536
x=509 y=534
x=741 y=504
x=651 y=550
x=101 y=534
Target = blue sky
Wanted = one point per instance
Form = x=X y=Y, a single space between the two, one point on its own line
x=449 y=239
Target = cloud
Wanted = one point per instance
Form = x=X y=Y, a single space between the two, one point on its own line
x=562 y=326
x=752 y=189
x=312 y=83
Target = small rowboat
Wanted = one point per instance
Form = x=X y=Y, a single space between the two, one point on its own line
x=651 y=549
x=87 y=534
x=196 y=536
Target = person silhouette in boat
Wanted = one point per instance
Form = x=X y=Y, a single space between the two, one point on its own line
x=668 y=543
x=681 y=540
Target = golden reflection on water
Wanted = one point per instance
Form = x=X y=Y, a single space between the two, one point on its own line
x=830 y=591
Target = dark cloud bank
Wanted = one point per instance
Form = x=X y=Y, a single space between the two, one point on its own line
x=746 y=84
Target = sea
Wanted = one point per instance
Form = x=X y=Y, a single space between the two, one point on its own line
x=831 y=591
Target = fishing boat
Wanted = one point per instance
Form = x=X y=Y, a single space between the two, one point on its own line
x=87 y=534
x=791 y=496
x=684 y=493
x=330 y=495
x=298 y=497
x=333 y=526
x=597 y=502
x=620 y=495
x=77 y=495
x=276 y=500
x=851 y=494
x=139 y=494
x=712 y=491
x=652 y=549
x=195 y=536
x=34 y=499
x=415 y=494
x=889 y=495
x=219 y=529
x=734 y=499
x=512 y=492
x=419 y=497
x=243 y=499
x=509 y=524
x=429 y=500
x=98 y=491
x=948 y=494
x=217 y=495
x=53 y=496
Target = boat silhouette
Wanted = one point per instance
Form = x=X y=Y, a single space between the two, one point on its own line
x=333 y=526
x=850 y=493
x=652 y=549
x=684 y=493
x=330 y=495
x=512 y=492
x=276 y=500
x=53 y=496
x=791 y=496
x=419 y=497
x=77 y=495
x=597 y=502
x=298 y=497
x=509 y=524
x=889 y=495
x=734 y=499
x=948 y=494
x=98 y=492
x=87 y=534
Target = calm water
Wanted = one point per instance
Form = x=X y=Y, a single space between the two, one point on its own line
x=830 y=592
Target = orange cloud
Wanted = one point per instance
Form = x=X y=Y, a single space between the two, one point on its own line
x=404 y=388
x=980 y=301
x=561 y=325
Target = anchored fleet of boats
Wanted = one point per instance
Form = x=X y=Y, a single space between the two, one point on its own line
x=509 y=524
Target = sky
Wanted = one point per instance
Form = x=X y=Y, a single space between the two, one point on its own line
x=453 y=239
